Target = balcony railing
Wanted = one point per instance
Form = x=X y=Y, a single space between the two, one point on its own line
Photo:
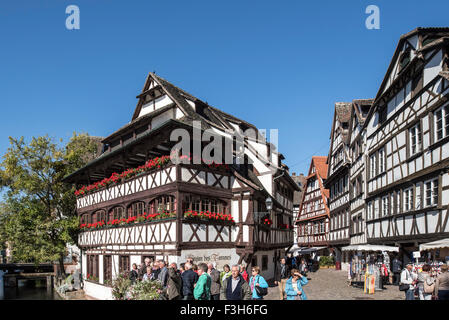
x=154 y=179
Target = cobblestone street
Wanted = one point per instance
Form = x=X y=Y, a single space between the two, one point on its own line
x=329 y=284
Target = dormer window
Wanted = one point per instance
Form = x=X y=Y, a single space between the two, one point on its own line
x=382 y=114
x=405 y=58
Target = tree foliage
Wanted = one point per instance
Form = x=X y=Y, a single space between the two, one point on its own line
x=38 y=216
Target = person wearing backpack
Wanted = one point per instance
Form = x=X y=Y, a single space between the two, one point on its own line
x=259 y=287
x=426 y=284
x=407 y=282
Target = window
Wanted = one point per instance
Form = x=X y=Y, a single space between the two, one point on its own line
x=408 y=199
x=372 y=161
x=107 y=268
x=370 y=210
x=382 y=114
x=264 y=262
x=384 y=206
x=92 y=265
x=163 y=204
x=441 y=118
x=381 y=160
x=431 y=192
x=136 y=209
x=116 y=213
x=398 y=201
x=124 y=264
x=415 y=139
x=254 y=261
x=391 y=203
x=322 y=227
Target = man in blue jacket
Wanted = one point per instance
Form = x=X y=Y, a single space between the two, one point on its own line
x=189 y=278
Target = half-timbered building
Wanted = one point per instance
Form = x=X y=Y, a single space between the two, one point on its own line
x=301 y=180
x=173 y=211
x=407 y=145
x=313 y=219
x=337 y=180
x=357 y=177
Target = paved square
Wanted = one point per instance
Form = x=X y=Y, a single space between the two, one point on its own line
x=330 y=284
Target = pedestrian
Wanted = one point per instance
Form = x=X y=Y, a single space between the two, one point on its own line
x=143 y=269
x=243 y=272
x=189 y=278
x=442 y=284
x=163 y=274
x=293 y=286
x=397 y=267
x=181 y=267
x=226 y=273
x=302 y=267
x=175 y=266
x=174 y=284
x=235 y=287
x=407 y=278
x=155 y=270
x=216 y=283
x=195 y=268
x=202 y=287
x=281 y=276
x=425 y=280
x=255 y=281
x=134 y=275
x=148 y=276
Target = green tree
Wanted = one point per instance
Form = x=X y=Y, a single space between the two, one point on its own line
x=40 y=216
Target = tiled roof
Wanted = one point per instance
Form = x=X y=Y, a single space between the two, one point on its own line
x=320 y=165
x=343 y=111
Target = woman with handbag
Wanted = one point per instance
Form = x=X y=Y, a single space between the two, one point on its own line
x=293 y=287
x=259 y=287
x=426 y=284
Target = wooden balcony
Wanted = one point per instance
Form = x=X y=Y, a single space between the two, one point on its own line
x=148 y=181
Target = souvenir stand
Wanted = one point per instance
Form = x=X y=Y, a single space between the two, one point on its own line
x=435 y=254
x=369 y=266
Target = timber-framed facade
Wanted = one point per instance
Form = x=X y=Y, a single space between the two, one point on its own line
x=237 y=190
x=407 y=136
x=312 y=222
x=337 y=181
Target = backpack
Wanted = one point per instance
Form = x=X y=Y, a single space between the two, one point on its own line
x=429 y=288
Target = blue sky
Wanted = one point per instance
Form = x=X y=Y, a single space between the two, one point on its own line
x=279 y=65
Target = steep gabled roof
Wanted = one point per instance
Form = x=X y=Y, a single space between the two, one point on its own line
x=402 y=40
x=209 y=116
x=319 y=162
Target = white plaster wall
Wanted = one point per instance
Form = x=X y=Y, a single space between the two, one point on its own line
x=97 y=291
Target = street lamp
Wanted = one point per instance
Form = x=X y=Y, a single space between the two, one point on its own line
x=269 y=204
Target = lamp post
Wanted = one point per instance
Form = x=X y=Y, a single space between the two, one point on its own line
x=268 y=205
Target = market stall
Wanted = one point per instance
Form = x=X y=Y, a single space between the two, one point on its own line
x=369 y=266
x=435 y=254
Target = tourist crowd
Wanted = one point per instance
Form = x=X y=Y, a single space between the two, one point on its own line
x=204 y=282
x=426 y=286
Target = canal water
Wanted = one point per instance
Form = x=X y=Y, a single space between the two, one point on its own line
x=30 y=290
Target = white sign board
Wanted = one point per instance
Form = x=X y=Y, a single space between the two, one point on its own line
x=416 y=254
